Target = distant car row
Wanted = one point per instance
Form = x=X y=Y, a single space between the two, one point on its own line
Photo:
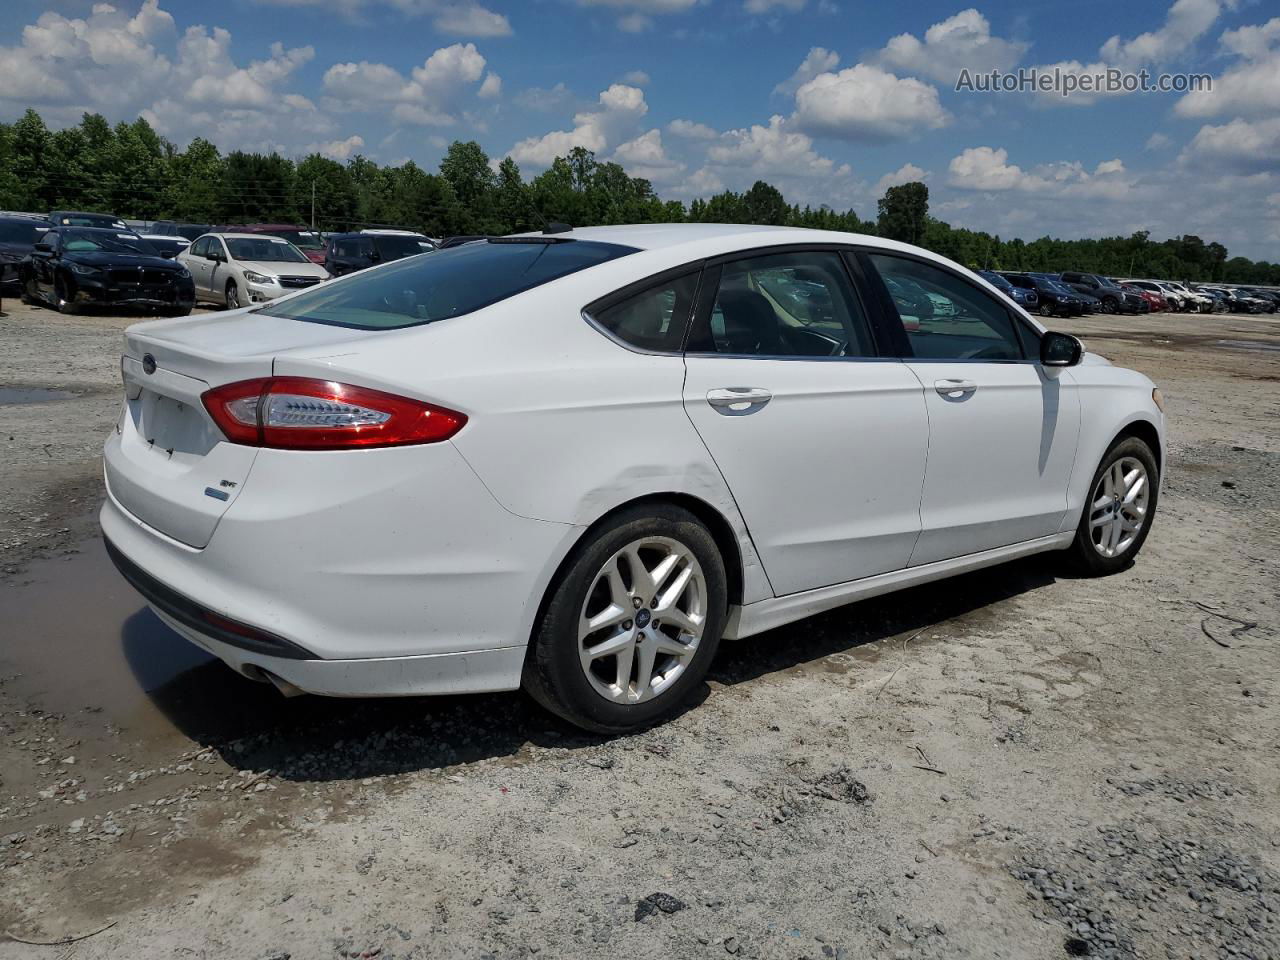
x=70 y=260
x=1071 y=294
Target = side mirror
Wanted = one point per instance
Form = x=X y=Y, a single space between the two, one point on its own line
x=1060 y=350
x=43 y=248
x=213 y=255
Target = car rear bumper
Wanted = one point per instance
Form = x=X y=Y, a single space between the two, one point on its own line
x=379 y=572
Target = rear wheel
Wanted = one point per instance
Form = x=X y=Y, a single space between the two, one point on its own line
x=1122 y=503
x=632 y=624
x=233 y=296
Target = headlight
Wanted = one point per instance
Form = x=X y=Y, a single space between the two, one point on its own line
x=81 y=268
x=183 y=272
x=258 y=277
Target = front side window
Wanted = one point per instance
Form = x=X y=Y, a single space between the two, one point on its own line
x=446 y=284
x=654 y=319
x=945 y=316
x=785 y=305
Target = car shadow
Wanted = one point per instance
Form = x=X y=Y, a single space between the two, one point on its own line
x=309 y=738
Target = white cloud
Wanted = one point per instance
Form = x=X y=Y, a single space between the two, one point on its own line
x=636 y=16
x=868 y=103
x=637 y=78
x=558 y=97
x=1251 y=86
x=1186 y=22
x=1239 y=147
x=620 y=109
x=963 y=41
x=907 y=173
x=691 y=131
x=988 y=169
x=1157 y=141
x=819 y=60
x=431 y=96
x=701 y=183
x=646 y=157
x=775 y=150
x=337 y=149
x=457 y=18
x=766 y=6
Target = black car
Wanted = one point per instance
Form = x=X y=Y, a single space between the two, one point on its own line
x=1055 y=300
x=74 y=267
x=349 y=252
x=79 y=218
x=1113 y=298
x=177 y=228
x=18 y=236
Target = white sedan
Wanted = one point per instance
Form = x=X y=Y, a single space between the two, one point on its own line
x=573 y=462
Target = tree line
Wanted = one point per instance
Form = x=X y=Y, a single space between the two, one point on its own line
x=130 y=170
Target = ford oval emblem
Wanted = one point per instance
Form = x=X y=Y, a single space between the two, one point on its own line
x=148 y=364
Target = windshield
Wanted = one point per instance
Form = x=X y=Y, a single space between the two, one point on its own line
x=446 y=284
x=302 y=239
x=84 y=241
x=264 y=250
x=191 y=231
x=26 y=233
x=997 y=281
x=394 y=247
x=88 y=220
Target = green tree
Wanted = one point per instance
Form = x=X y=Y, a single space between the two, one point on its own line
x=903 y=212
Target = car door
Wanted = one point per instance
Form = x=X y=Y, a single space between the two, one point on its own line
x=219 y=272
x=1002 y=428
x=194 y=261
x=820 y=437
x=43 y=261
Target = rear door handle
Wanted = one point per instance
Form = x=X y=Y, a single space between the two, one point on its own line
x=736 y=401
x=955 y=389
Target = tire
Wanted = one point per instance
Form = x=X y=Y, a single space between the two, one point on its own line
x=1046 y=309
x=1110 y=305
x=62 y=295
x=1115 y=471
x=29 y=298
x=233 y=296
x=590 y=692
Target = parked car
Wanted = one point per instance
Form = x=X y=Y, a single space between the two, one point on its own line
x=1237 y=301
x=239 y=269
x=1055 y=300
x=305 y=239
x=70 y=268
x=1270 y=298
x=178 y=228
x=78 y=218
x=166 y=246
x=1198 y=302
x=348 y=252
x=1104 y=288
x=341 y=514
x=1221 y=302
x=1088 y=302
x=1027 y=298
x=1155 y=302
x=18 y=237
x=1164 y=299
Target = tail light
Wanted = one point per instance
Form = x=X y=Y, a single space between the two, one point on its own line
x=298 y=413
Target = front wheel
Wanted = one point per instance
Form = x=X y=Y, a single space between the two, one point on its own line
x=1117 y=516
x=63 y=295
x=632 y=623
x=1110 y=305
x=233 y=295
x=1046 y=309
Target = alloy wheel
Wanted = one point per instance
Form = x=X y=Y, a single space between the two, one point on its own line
x=233 y=296
x=643 y=620
x=1118 y=507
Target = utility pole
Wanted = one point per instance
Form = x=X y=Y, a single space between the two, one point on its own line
x=313 y=206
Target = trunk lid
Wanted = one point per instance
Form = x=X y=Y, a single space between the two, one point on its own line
x=168 y=464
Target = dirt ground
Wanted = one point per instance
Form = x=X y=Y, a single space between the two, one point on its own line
x=1013 y=764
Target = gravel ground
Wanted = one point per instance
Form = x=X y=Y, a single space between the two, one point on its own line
x=1013 y=764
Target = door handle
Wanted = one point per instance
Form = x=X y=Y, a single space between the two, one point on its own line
x=955 y=389
x=737 y=401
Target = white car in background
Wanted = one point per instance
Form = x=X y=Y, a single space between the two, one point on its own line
x=574 y=462
x=239 y=269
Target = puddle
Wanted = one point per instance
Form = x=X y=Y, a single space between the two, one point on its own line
x=22 y=396
x=1258 y=346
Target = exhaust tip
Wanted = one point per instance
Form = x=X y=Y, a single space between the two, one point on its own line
x=284 y=686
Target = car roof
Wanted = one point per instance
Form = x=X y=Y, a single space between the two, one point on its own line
x=235 y=235
x=72 y=226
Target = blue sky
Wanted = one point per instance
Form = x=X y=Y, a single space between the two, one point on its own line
x=832 y=100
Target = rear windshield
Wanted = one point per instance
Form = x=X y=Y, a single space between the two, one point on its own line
x=444 y=284
x=19 y=231
x=391 y=247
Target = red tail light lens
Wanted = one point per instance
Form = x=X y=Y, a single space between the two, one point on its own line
x=298 y=413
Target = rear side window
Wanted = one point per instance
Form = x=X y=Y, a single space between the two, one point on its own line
x=654 y=319
x=449 y=283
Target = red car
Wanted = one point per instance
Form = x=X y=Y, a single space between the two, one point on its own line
x=1156 y=301
x=304 y=238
